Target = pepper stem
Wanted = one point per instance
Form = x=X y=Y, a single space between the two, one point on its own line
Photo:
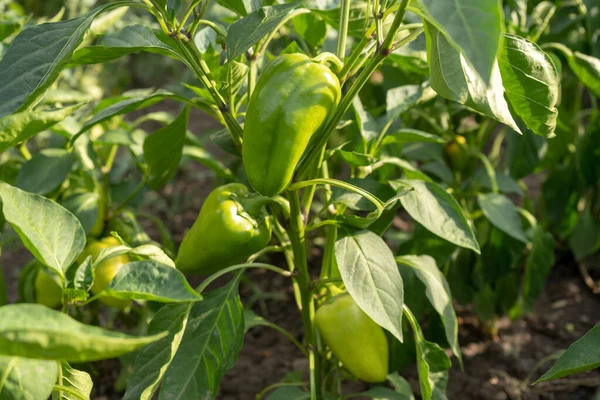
x=253 y=204
x=335 y=63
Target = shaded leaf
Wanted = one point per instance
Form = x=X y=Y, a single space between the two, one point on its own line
x=502 y=213
x=26 y=379
x=45 y=171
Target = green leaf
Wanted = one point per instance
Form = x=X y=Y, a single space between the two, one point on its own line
x=383 y=393
x=245 y=32
x=310 y=27
x=78 y=381
x=151 y=280
x=412 y=136
x=241 y=7
x=85 y=207
x=35 y=331
x=163 y=150
x=431 y=206
x=531 y=84
x=24 y=125
x=131 y=39
x=152 y=361
x=583 y=355
x=588 y=154
x=36 y=57
x=210 y=345
x=84 y=275
x=128 y=105
x=26 y=379
x=585 y=238
x=523 y=153
x=432 y=364
x=472 y=26
x=587 y=69
x=438 y=292
x=355 y=201
x=401 y=385
x=400 y=99
x=453 y=78
x=537 y=267
x=371 y=277
x=502 y=213
x=205 y=158
x=51 y=233
x=506 y=184
x=45 y=171
x=289 y=393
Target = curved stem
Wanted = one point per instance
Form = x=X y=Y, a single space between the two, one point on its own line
x=268 y=249
x=233 y=268
x=287 y=335
x=341 y=184
x=277 y=385
x=263 y=46
x=187 y=15
x=337 y=64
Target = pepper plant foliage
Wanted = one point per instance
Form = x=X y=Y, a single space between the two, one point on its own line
x=352 y=111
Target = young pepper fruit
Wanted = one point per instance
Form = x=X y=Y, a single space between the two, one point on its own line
x=354 y=338
x=229 y=229
x=293 y=98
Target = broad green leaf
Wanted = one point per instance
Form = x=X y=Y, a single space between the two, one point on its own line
x=453 y=78
x=383 y=393
x=84 y=275
x=502 y=213
x=24 y=125
x=7 y=28
x=152 y=252
x=588 y=154
x=78 y=381
x=289 y=393
x=401 y=385
x=210 y=346
x=36 y=57
x=371 y=277
x=531 y=84
x=26 y=379
x=151 y=280
x=163 y=150
x=356 y=202
x=583 y=355
x=354 y=159
x=367 y=124
x=400 y=99
x=432 y=364
x=128 y=105
x=473 y=27
x=585 y=238
x=45 y=171
x=411 y=136
x=587 y=69
x=431 y=206
x=310 y=27
x=35 y=331
x=241 y=7
x=205 y=158
x=85 y=207
x=523 y=153
x=244 y=33
x=152 y=361
x=537 y=267
x=131 y=39
x=506 y=184
x=51 y=233
x=438 y=292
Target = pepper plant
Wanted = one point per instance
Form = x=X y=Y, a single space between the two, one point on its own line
x=327 y=160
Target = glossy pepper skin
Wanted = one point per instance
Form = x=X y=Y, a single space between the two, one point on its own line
x=224 y=234
x=106 y=271
x=293 y=98
x=354 y=338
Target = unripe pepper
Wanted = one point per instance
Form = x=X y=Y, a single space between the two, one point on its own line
x=293 y=98
x=106 y=270
x=229 y=229
x=456 y=153
x=354 y=338
x=48 y=288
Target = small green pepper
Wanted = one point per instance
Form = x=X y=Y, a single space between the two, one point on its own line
x=354 y=338
x=229 y=229
x=293 y=98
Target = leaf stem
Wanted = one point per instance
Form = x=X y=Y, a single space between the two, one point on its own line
x=237 y=267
